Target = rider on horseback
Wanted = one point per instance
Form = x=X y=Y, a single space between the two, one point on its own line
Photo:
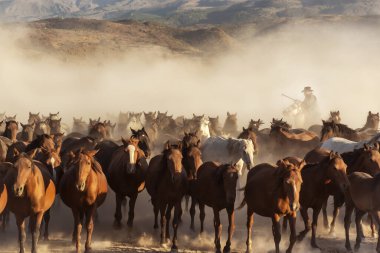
x=310 y=107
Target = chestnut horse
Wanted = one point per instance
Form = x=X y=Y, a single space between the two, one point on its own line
x=273 y=192
x=31 y=192
x=166 y=182
x=332 y=129
x=315 y=190
x=126 y=176
x=215 y=187
x=83 y=188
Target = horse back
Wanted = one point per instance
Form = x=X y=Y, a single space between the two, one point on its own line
x=155 y=168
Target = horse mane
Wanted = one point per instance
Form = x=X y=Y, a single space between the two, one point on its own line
x=36 y=143
x=95 y=165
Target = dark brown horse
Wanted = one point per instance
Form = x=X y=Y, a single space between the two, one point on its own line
x=166 y=183
x=314 y=192
x=4 y=168
x=144 y=140
x=31 y=192
x=215 y=187
x=11 y=129
x=126 y=176
x=55 y=125
x=84 y=188
x=273 y=192
x=332 y=129
x=97 y=130
x=363 y=196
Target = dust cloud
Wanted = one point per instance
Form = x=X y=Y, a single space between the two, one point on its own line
x=340 y=63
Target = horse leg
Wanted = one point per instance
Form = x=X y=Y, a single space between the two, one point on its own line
x=293 y=233
x=21 y=232
x=231 y=229
x=376 y=217
x=192 y=213
x=168 y=216
x=324 y=212
x=314 y=225
x=347 y=223
x=306 y=220
x=90 y=213
x=175 y=226
x=155 y=210
x=131 y=212
x=187 y=202
x=202 y=215
x=335 y=215
x=373 y=226
x=163 y=223
x=249 y=229
x=276 y=230
x=359 y=228
x=36 y=224
x=77 y=228
x=285 y=224
x=218 y=229
x=46 y=220
x=118 y=214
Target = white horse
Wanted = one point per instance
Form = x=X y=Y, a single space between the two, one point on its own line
x=204 y=130
x=232 y=151
x=294 y=115
x=342 y=145
x=134 y=122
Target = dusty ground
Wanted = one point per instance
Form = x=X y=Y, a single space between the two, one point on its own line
x=143 y=238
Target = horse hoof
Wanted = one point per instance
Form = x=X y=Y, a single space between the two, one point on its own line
x=315 y=246
x=130 y=224
x=226 y=249
x=87 y=249
x=348 y=247
x=218 y=251
x=155 y=226
x=46 y=238
x=357 y=247
x=174 y=249
x=117 y=225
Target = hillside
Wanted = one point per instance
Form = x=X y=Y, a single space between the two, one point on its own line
x=184 y=12
x=69 y=38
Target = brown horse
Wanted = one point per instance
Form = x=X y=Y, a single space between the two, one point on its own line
x=126 y=176
x=363 y=196
x=249 y=134
x=41 y=127
x=79 y=126
x=335 y=117
x=31 y=192
x=365 y=159
x=11 y=129
x=26 y=133
x=166 y=182
x=273 y=192
x=97 y=130
x=332 y=129
x=215 y=187
x=255 y=125
x=372 y=123
x=34 y=118
x=55 y=125
x=230 y=124
x=84 y=188
x=314 y=192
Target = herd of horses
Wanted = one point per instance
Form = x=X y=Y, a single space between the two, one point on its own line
x=196 y=158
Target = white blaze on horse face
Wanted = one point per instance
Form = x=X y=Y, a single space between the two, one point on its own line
x=52 y=161
x=131 y=149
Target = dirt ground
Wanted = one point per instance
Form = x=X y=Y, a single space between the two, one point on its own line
x=143 y=238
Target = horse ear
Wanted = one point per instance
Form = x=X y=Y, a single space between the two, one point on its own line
x=125 y=143
x=30 y=114
x=1 y=122
x=332 y=155
x=167 y=145
x=228 y=114
x=281 y=163
x=323 y=122
x=22 y=125
x=302 y=165
x=369 y=113
x=92 y=153
x=377 y=146
x=244 y=129
x=16 y=152
x=194 y=115
x=198 y=143
x=32 y=153
x=366 y=147
x=185 y=133
x=133 y=131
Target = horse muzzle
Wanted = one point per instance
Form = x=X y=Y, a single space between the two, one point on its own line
x=294 y=207
x=131 y=168
x=81 y=186
x=18 y=190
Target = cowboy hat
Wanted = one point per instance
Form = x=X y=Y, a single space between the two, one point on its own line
x=307 y=89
